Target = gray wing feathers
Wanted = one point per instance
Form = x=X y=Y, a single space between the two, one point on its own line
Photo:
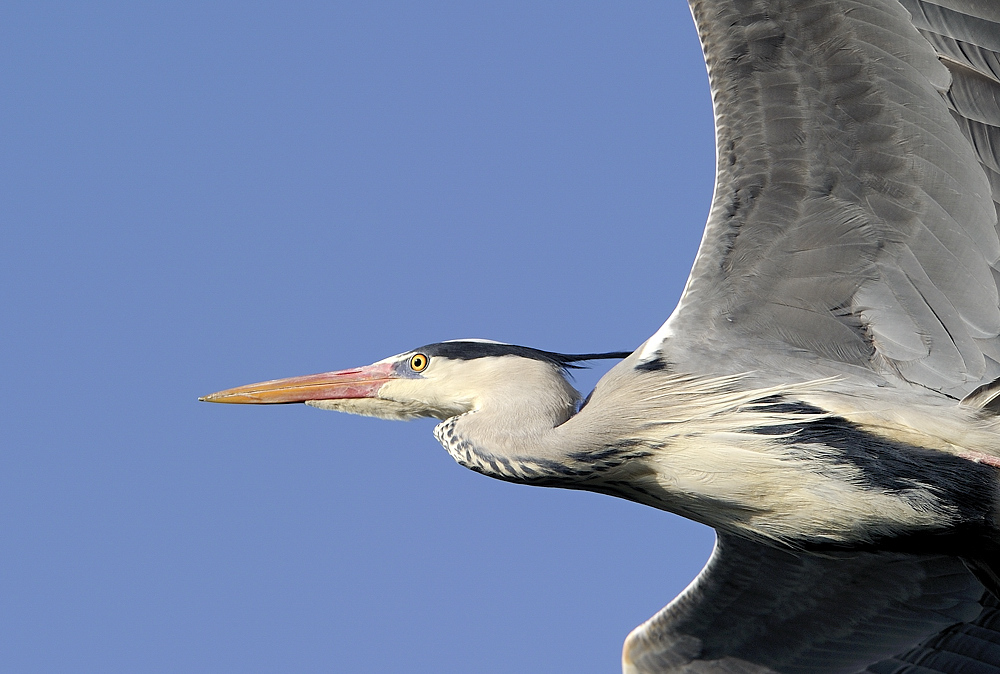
x=757 y=609
x=964 y=647
x=853 y=220
x=967 y=36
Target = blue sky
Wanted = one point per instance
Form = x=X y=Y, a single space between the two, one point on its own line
x=196 y=196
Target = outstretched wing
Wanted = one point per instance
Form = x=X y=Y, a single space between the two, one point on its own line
x=755 y=609
x=854 y=216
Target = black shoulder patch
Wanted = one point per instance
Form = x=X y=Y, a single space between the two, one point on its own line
x=986 y=398
x=467 y=350
x=654 y=365
x=890 y=465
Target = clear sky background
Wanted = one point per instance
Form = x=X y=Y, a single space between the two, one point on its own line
x=200 y=195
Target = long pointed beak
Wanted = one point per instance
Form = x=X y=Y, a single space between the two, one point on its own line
x=363 y=382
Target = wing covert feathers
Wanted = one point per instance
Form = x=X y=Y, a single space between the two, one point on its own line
x=855 y=210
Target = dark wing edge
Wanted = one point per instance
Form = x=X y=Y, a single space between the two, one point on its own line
x=855 y=208
x=755 y=609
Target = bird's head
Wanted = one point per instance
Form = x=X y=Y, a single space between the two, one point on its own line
x=438 y=380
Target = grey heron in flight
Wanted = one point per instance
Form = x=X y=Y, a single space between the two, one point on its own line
x=826 y=394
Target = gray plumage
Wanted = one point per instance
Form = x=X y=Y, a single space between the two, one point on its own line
x=853 y=222
x=825 y=395
x=860 y=607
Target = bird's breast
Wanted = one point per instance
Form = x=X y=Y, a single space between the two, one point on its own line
x=822 y=482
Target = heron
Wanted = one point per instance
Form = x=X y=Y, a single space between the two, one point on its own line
x=826 y=393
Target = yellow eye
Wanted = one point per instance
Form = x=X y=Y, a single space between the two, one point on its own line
x=418 y=362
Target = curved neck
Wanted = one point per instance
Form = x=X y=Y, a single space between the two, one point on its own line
x=525 y=438
x=512 y=433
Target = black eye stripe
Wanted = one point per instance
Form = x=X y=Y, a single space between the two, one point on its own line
x=468 y=350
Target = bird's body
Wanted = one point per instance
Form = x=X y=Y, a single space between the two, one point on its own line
x=825 y=393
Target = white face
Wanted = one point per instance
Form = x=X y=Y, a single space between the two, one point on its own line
x=423 y=387
x=441 y=387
